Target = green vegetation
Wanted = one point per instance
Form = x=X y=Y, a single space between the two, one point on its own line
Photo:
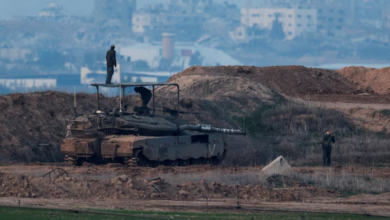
x=35 y=214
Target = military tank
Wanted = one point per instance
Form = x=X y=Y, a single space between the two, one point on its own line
x=142 y=138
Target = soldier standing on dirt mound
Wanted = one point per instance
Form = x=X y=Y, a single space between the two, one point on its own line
x=111 y=62
x=146 y=95
x=327 y=148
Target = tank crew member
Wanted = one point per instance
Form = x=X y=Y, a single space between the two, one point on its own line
x=146 y=95
x=111 y=62
x=327 y=141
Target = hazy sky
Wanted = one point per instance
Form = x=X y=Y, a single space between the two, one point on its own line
x=17 y=8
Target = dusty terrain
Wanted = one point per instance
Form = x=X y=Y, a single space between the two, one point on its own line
x=368 y=79
x=110 y=187
x=359 y=94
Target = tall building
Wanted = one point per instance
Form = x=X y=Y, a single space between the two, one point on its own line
x=184 y=21
x=331 y=14
x=295 y=22
x=121 y=10
x=165 y=22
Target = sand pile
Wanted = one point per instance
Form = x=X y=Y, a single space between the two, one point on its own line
x=370 y=80
x=35 y=118
x=290 y=80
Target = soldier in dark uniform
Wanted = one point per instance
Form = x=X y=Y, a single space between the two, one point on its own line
x=111 y=62
x=327 y=141
x=146 y=95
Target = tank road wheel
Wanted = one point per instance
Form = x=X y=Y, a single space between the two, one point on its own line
x=186 y=162
x=180 y=162
x=70 y=160
x=80 y=161
x=215 y=161
x=218 y=160
x=128 y=162
x=138 y=160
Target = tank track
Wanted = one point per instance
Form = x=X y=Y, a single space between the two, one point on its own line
x=138 y=160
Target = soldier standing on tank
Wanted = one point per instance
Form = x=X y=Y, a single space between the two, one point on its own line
x=146 y=95
x=111 y=62
x=327 y=141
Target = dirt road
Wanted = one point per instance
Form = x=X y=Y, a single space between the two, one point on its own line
x=320 y=205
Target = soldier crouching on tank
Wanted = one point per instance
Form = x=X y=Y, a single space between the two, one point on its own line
x=327 y=141
x=146 y=95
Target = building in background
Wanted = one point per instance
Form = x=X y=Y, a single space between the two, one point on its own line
x=189 y=6
x=169 y=55
x=53 y=10
x=145 y=22
x=332 y=15
x=386 y=19
x=29 y=84
x=121 y=10
x=183 y=18
x=295 y=22
x=14 y=54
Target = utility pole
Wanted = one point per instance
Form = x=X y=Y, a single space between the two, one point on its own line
x=120 y=78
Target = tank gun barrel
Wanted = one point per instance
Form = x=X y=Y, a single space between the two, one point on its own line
x=209 y=129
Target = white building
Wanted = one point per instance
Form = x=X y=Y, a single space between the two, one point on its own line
x=52 y=10
x=28 y=84
x=14 y=54
x=161 y=22
x=152 y=53
x=88 y=76
x=295 y=22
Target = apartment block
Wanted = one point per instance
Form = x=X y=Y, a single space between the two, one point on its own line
x=295 y=22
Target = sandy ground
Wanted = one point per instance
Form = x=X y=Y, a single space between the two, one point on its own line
x=366 y=204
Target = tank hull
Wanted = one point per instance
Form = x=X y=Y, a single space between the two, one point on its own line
x=185 y=149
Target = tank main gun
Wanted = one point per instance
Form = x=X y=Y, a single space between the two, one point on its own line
x=209 y=129
x=172 y=112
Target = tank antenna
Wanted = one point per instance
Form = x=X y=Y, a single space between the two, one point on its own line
x=74 y=105
x=120 y=80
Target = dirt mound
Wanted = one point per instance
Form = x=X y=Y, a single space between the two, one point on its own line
x=33 y=118
x=124 y=187
x=369 y=79
x=290 y=80
x=230 y=91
